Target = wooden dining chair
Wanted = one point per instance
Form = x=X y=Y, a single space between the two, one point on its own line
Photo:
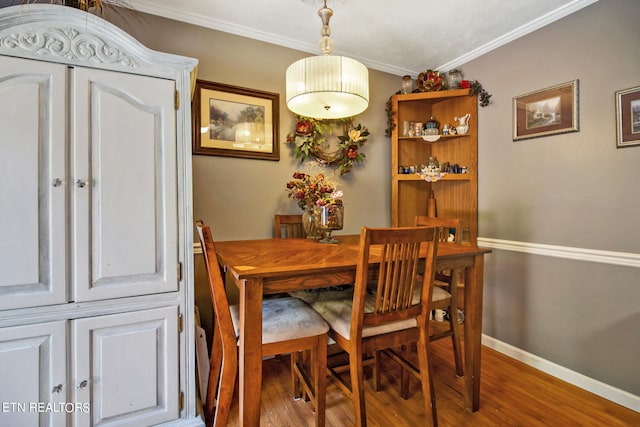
x=445 y=295
x=290 y=224
x=288 y=326
x=388 y=310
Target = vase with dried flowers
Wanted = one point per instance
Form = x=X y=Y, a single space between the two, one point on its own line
x=309 y=191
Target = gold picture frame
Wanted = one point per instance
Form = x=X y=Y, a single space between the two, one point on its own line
x=546 y=112
x=628 y=117
x=233 y=121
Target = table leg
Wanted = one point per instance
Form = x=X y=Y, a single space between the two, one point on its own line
x=250 y=352
x=473 y=332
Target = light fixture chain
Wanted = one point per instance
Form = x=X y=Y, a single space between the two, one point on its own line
x=325 y=44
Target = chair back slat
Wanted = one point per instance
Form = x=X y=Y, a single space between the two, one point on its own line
x=397 y=268
x=396 y=254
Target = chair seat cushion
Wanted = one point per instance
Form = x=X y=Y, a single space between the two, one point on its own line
x=338 y=314
x=439 y=294
x=285 y=319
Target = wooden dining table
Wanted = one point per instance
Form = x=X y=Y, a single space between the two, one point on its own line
x=269 y=266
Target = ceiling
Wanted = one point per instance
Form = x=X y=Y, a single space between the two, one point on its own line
x=398 y=37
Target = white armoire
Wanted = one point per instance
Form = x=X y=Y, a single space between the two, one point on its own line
x=96 y=235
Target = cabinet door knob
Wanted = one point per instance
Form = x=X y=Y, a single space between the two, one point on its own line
x=57 y=388
x=57 y=182
x=81 y=183
x=82 y=385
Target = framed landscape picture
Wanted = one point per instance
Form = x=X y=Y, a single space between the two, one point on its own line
x=546 y=112
x=235 y=122
x=628 y=117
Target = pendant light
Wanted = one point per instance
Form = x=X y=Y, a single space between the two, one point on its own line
x=327 y=86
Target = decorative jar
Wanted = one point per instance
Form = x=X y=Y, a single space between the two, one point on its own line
x=454 y=77
x=431 y=127
x=407 y=85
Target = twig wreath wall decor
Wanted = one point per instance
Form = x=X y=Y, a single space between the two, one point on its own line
x=309 y=140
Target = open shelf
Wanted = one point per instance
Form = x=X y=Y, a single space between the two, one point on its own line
x=456 y=194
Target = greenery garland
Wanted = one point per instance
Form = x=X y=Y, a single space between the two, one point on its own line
x=308 y=140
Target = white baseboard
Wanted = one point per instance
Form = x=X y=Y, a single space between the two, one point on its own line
x=601 y=389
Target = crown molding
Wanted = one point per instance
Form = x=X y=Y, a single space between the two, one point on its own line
x=176 y=13
x=515 y=34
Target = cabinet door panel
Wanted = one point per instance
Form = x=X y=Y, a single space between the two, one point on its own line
x=130 y=364
x=32 y=155
x=32 y=364
x=125 y=236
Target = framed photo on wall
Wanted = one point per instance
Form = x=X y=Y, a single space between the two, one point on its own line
x=546 y=112
x=628 y=117
x=235 y=122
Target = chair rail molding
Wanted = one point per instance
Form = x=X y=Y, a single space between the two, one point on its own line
x=625 y=259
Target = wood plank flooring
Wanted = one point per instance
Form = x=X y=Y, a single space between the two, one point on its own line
x=512 y=394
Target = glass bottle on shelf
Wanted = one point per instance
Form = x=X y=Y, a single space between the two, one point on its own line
x=407 y=84
x=454 y=77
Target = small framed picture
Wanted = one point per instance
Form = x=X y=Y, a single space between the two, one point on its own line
x=235 y=122
x=628 y=117
x=546 y=112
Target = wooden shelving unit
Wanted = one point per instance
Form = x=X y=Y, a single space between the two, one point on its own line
x=456 y=194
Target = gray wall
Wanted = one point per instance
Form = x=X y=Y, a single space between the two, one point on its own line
x=574 y=191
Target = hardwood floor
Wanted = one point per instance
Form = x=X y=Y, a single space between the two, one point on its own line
x=512 y=394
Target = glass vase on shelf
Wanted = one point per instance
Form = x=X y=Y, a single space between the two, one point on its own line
x=407 y=84
x=328 y=218
x=309 y=223
x=454 y=77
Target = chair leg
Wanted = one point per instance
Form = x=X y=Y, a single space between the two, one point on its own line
x=455 y=327
x=225 y=392
x=320 y=380
x=312 y=376
x=424 y=358
x=295 y=380
x=404 y=373
x=300 y=363
x=357 y=388
x=309 y=376
x=455 y=341
x=222 y=379
x=215 y=364
x=377 y=368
